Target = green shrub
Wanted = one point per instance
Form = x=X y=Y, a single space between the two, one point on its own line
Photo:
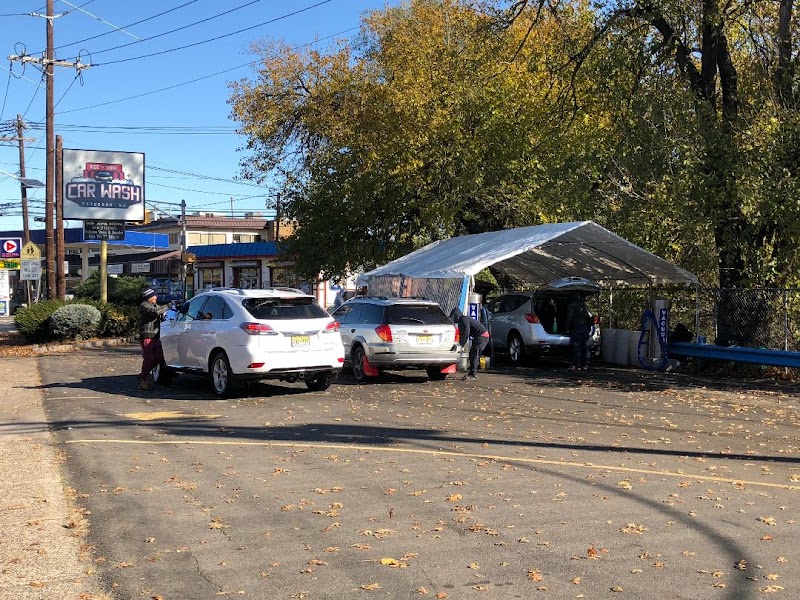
x=75 y=321
x=122 y=291
x=33 y=321
x=116 y=320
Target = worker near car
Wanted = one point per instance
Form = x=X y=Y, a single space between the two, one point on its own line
x=470 y=327
x=579 y=325
x=150 y=314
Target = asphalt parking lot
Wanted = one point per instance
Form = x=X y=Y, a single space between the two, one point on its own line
x=526 y=483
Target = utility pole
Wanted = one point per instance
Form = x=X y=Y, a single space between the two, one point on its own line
x=23 y=188
x=49 y=62
x=26 y=228
x=61 y=281
x=50 y=162
x=183 y=248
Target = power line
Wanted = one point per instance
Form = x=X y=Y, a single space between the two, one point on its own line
x=214 y=39
x=5 y=97
x=94 y=37
x=208 y=177
x=179 y=28
x=223 y=72
x=80 y=8
x=149 y=130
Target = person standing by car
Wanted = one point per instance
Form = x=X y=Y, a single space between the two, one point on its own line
x=579 y=324
x=150 y=314
x=469 y=327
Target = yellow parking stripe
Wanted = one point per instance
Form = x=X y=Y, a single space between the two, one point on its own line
x=535 y=461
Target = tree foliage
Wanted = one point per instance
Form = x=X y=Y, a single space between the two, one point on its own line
x=674 y=123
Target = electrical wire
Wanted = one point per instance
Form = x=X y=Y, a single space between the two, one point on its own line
x=208 y=177
x=149 y=130
x=35 y=93
x=223 y=72
x=214 y=39
x=87 y=13
x=5 y=97
x=153 y=37
x=94 y=37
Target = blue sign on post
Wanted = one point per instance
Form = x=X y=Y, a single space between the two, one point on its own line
x=473 y=310
x=10 y=247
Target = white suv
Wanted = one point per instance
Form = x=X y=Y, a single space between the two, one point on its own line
x=233 y=334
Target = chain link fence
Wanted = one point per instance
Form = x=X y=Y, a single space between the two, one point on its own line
x=755 y=318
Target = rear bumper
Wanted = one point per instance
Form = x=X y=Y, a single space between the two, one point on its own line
x=388 y=358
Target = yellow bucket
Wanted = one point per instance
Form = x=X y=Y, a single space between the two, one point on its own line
x=482 y=362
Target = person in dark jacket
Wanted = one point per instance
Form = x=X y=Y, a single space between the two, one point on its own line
x=150 y=314
x=579 y=324
x=469 y=327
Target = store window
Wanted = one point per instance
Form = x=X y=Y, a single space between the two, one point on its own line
x=246 y=278
x=210 y=278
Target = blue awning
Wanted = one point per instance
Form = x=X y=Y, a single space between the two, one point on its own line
x=243 y=250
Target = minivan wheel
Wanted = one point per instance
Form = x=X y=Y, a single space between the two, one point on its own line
x=358 y=364
x=516 y=349
x=221 y=376
x=319 y=382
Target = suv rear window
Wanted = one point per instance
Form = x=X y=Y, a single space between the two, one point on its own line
x=419 y=314
x=284 y=308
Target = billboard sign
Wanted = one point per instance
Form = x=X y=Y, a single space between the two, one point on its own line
x=103 y=185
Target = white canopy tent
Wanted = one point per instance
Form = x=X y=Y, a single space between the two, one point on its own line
x=531 y=256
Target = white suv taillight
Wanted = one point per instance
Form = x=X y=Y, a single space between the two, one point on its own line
x=257 y=329
x=531 y=318
x=331 y=327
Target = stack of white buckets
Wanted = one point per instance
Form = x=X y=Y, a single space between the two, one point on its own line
x=620 y=347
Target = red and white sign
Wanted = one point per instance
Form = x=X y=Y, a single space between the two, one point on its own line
x=10 y=247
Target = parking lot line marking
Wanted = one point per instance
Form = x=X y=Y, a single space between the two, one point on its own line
x=536 y=461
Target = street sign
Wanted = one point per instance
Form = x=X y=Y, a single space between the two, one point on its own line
x=9 y=264
x=31 y=251
x=10 y=247
x=30 y=270
x=103 y=230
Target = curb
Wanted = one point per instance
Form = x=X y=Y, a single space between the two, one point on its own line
x=67 y=346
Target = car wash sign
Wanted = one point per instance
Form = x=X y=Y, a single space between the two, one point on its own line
x=103 y=185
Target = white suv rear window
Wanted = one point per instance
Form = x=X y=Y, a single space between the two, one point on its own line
x=284 y=308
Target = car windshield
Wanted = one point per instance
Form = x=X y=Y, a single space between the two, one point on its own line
x=420 y=314
x=284 y=308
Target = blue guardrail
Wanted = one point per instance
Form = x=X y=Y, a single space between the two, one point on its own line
x=760 y=356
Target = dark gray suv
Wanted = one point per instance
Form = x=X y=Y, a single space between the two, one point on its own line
x=397 y=333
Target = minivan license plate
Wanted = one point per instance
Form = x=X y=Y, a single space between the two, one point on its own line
x=424 y=340
x=298 y=341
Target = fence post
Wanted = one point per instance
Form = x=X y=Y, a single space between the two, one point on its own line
x=785 y=319
x=697 y=310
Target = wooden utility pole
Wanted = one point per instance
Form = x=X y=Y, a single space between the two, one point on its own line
x=49 y=62
x=26 y=228
x=50 y=165
x=23 y=188
x=61 y=281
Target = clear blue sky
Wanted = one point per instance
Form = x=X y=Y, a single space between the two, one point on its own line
x=180 y=163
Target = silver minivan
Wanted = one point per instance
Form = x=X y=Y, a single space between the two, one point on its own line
x=532 y=322
x=396 y=333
